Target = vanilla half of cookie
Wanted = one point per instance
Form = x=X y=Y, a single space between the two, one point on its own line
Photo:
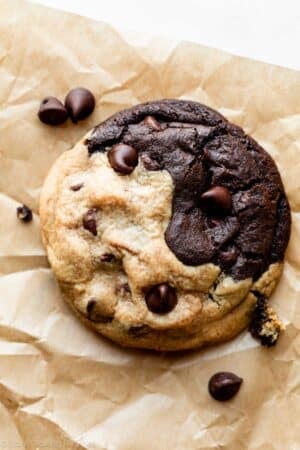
x=166 y=228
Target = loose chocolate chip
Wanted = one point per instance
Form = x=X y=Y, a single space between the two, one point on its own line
x=123 y=158
x=89 y=221
x=228 y=257
x=216 y=200
x=94 y=315
x=161 y=299
x=224 y=385
x=24 y=213
x=52 y=111
x=151 y=122
x=76 y=187
x=80 y=103
x=107 y=257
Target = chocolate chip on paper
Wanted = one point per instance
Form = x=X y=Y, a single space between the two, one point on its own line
x=52 y=111
x=80 y=103
x=24 y=213
x=224 y=385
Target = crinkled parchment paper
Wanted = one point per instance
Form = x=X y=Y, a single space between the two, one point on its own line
x=61 y=386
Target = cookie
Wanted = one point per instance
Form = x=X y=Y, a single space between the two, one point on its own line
x=164 y=225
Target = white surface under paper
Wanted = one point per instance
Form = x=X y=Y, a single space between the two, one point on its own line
x=266 y=30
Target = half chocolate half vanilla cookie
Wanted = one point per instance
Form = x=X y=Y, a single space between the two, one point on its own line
x=166 y=228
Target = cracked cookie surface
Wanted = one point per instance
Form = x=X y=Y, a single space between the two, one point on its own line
x=163 y=223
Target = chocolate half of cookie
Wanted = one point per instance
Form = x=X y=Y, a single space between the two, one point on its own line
x=229 y=205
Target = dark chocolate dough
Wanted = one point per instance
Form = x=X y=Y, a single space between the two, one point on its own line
x=200 y=149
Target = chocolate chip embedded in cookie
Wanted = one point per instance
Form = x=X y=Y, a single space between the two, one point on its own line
x=196 y=213
x=216 y=200
x=229 y=256
x=123 y=158
x=95 y=315
x=76 y=187
x=152 y=123
x=107 y=258
x=89 y=221
x=139 y=331
x=161 y=298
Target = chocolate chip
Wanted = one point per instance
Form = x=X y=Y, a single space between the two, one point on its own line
x=149 y=164
x=80 y=103
x=139 y=331
x=90 y=306
x=224 y=385
x=94 y=315
x=216 y=200
x=123 y=289
x=161 y=299
x=151 y=122
x=228 y=257
x=76 y=187
x=107 y=257
x=213 y=222
x=123 y=158
x=52 y=111
x=89 y=221
x=24 y=213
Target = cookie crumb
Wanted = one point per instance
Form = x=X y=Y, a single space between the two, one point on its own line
x=265 y=324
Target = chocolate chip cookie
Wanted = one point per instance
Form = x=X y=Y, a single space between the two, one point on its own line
x=165 y=225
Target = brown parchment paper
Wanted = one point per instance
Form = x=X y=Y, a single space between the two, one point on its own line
x=61 y=386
